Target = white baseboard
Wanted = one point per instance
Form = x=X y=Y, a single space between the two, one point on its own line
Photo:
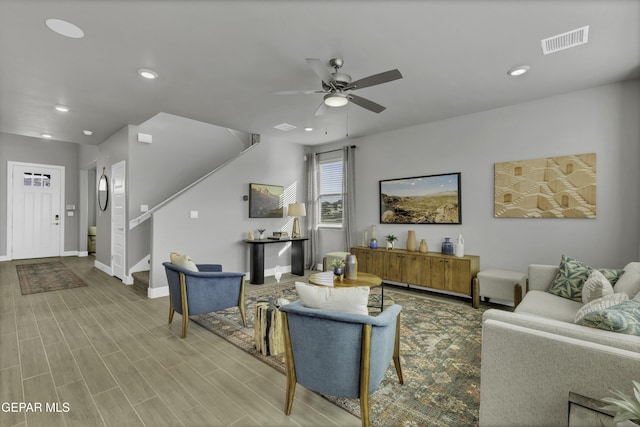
x=128 y=280
x=83 y=253
x=4 y=258
x=106 y=268
x=69 y=253
x=158 y=292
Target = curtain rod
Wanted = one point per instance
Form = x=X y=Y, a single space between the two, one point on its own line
x=331 y=151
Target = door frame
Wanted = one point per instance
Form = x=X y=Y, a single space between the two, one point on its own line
x=10 y=166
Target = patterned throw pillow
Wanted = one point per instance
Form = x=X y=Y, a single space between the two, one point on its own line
x=600 y=304
x=570 y=278
x=596 y=286
x=612 y=274
x=623 y=318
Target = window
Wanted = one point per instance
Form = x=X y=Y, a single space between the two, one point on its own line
x=330 y=194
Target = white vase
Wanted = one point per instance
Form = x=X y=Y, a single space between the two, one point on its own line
x=459 y=246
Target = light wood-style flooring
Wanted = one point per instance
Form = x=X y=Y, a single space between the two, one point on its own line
x=108 y=353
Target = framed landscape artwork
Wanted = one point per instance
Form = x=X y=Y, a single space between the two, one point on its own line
x=265 y=201
x=552 y=187
x=430 y=199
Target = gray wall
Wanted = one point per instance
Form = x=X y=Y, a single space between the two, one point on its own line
x=216 y=236
x=603 y=120
x=115 y=149
x=35 y=150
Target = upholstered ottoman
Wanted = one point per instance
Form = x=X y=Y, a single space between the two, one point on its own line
x=499 y=284
x=329 y=257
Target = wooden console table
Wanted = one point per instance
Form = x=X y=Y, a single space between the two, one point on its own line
x=257 y=257
x=430 y=269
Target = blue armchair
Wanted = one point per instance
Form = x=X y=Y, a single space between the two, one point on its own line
x=340 y=354
x=198 y=292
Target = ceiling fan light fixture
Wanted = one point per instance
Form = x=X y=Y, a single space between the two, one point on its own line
x=62 y=108
x=335 y=100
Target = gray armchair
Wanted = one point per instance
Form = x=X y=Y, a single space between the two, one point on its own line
x=340 y=354
x=198 y=292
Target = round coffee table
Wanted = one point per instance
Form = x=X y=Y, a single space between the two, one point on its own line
x=326 y=278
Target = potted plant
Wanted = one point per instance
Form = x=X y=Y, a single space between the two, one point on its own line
x=390 y=239
x=338 y=267
x=261 y=231
x=627 y=408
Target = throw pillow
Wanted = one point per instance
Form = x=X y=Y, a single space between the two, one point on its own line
x=182 y=261
x=347 y=300
x=623 y=318
x=596 y=286
x=569 y=280
x=612 y=274
x=600 y=304
x=629 y=282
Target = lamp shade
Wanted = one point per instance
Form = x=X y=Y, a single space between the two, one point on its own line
x=297 y=209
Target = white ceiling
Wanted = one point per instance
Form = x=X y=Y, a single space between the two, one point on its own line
x=220 y=62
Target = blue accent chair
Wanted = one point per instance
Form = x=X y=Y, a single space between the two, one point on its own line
x=339 y=354
x=198 y=292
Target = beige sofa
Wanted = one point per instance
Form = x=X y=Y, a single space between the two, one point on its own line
x=532 y=358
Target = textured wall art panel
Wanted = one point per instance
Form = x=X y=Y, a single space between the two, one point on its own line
x=553 y=187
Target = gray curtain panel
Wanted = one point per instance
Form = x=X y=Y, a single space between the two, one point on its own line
x=348 y=197
x=311 y=252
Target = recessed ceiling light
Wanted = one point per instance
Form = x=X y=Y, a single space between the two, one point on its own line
x=62 y=108
x=88 y=132
x=308 y=128
x=64 y=28
x=148 y=74
x=47 y=135
x=518 y=71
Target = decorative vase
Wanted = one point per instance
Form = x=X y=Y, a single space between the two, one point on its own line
x=250 y=235
x=412 y=244
x=373 y=243
x=389 y=245
x=351 y=267
x=460 y=246
x=423 y=246
x=447 y=247
x=338 y=273
x=365 y=237
x=261 y=237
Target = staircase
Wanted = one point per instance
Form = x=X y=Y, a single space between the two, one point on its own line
x=141 y=281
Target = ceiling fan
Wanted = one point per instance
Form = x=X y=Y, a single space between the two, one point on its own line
x=338 y=86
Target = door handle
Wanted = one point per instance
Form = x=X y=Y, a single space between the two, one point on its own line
x=56 y=220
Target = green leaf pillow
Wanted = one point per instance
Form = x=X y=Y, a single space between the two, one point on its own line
x=623 y=318
x=570 y=277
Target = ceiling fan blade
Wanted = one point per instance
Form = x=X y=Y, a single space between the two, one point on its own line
x=297 y=92
x=365 y=103
x=376 y=79
x=322 y=71
x=322 y=108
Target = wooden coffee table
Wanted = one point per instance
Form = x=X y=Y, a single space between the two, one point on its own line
x=326 y=278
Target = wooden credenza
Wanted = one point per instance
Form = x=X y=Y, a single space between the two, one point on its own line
x=429 y=270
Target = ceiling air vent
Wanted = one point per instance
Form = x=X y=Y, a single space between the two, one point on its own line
x=565 y=40
x=286 y=127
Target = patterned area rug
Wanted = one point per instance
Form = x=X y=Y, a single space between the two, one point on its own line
x=45 y=277
x=440 y=356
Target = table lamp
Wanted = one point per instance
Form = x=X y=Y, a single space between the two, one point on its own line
x=295 y=210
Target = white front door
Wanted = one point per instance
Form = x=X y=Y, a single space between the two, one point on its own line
x=118 y=218
x=36 y=218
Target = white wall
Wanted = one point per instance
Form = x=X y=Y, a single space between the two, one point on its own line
x=603 y=120
x=216 y=236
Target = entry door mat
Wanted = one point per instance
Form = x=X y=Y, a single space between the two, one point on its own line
x=46 y=277
x=440 y=345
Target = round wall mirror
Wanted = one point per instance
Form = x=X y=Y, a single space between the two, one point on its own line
x=103 y=191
